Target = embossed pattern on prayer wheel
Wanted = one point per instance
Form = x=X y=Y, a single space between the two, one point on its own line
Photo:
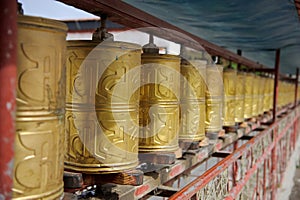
x=240 y=97
x=230 y=82
x=39 y=143
x=267 y=93
x=261 y=89
x=159 y=104
x=255 y=96
x=214 y=99
x=249 y=80
x=271 y=85
x=102 y=106
x=192 y=88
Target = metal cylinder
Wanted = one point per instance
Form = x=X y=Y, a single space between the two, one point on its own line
x=255 y=96
x=240 y=97
x=261 y=89
x=159 y=103
x=249 y=80
x=214 y=99
x=102 y=106
x=266 y=97
x=230 y=82
x=271 y=95
x=38 y=167
x=192 y=100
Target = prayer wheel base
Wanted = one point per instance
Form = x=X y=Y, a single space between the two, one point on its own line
x=231 y=129
x=189 y=144
x=158 y=157
x=75 y=181
x=215 y=135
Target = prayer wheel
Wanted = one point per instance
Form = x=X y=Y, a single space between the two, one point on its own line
x=261 y=89
x=159 y=103
x=230 y=85
x=192 y=97
x=240 y=97
x=249 y=80
x=39 y=143
x=271 y=83
x=255 y=96
x=214 y=99
x=267 y=93
x=102 y=106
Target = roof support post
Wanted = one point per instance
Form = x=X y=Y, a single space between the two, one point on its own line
x=8 y=70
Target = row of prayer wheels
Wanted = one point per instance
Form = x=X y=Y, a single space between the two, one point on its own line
x=92 y=107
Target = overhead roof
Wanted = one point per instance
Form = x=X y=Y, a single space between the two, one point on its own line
x=257 y=27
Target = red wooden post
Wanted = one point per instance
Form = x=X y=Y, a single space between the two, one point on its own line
x=8 y=59
x=274 y=150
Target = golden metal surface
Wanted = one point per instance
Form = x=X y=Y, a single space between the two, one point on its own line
x=271 y=83
x=99 y=132
x=159 y=104
x=214 y=98
x=249 y=81
x=261 y=89
x=193 y=86
x=230 y=82
x=214 y=81
x=163 y=71
x=39 y=143
x=255 y=96
x=267 y=94
x=214 y=111
x=240 y=97
x=162 y=121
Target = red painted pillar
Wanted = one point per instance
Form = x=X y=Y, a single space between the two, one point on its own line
x=8 y=69
x=275 y=133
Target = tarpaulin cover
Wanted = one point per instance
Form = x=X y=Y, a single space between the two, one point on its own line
x=257 y=27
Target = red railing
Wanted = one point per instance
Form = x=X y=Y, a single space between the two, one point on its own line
x=254 y=170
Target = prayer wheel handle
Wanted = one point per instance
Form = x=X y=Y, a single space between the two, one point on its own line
x=101 y=33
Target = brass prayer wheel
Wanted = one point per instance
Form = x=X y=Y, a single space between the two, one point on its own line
x=214 y=99
x=240 y=97
x=192 y=97
x=102 y=106
x=249 y=81
x=39 y=143
x=159 y=103
x=230 y=82
x=261 y=89
x=267 y=93
x=255 y=96
x=271 y=83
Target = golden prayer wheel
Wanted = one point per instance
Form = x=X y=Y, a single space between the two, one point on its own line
x=192 y=97
x=249 y=81
x=214 y=99
x=255 y=96
x=271 y=83
x=240 y=97
x=266 y=95
x=159 y=103
x=39 y=143
x=230 y=82
x=261 y=89
x=102 y=106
